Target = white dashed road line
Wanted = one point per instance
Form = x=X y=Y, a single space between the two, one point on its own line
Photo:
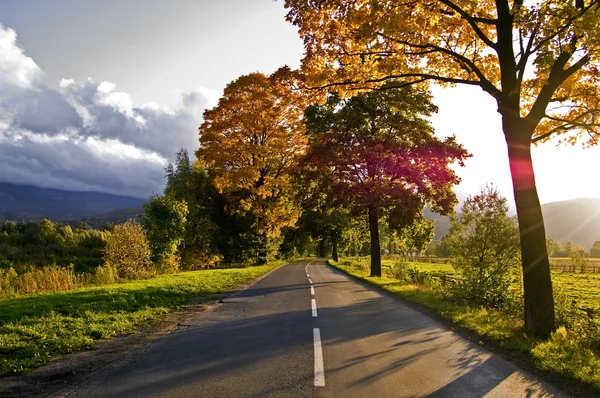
x=319 y=368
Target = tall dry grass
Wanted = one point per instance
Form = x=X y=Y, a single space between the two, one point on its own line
x=51 y=279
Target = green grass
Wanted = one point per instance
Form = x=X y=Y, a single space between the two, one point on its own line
x=427 y=267
x=565 y=354
x=583 y=288
x=35 y=329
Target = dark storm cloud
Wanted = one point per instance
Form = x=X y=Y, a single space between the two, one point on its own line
x=86 y=136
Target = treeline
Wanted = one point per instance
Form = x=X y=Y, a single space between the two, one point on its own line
x=46 y=243
x=276 y=177
x=558 y=250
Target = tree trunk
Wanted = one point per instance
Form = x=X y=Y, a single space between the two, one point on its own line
x=537 y=283
x=322 y=248
x=334 y=245
x=375 y=248
x=262 y=248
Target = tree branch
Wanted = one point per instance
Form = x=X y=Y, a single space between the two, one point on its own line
x=557 y=76
x=485 y=84
x=471 y=21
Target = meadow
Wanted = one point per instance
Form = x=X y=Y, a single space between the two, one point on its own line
x=37 y=328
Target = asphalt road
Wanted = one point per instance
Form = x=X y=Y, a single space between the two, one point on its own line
x=309 y=330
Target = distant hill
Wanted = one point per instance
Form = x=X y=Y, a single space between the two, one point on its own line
x=442 y=224
x=25 y=202
x=576 y=221
x=113 y=217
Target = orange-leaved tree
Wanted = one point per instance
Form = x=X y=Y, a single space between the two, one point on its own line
x=538 y=59
x=249 y=144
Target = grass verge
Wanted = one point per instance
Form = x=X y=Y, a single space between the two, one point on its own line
x=564 y=355
x=35 y=329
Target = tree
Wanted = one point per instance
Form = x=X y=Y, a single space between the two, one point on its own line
x=164 y=221
x=415 y=237
x=568 y=249
x=323 y=217
x=556 y=249
x=249 y=144
x=539 y=61
x=485 y=244
x=595 y=250
x=438 y=248
x=188 y=182
x=379 y=153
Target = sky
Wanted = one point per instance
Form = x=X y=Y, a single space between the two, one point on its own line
x=100 y=95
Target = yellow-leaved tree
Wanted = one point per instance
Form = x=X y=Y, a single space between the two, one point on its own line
x=538 y=59
x=249 y=144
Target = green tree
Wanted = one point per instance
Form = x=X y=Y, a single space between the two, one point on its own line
x=415 y=237
x=188 y=182
x=380 y=155
x=538 y=60
x=323 y=217
x=438 y=248
x=164 y=221
x=485 y=245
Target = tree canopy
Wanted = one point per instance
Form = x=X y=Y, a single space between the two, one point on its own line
x=378 y=153
x=249 y=143
x=526 y=54
x=539 y=60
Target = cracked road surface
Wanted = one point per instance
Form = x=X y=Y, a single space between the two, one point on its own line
x=308 y=330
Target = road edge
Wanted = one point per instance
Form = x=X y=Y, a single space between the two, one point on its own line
x=522 y=360
x=67 y=371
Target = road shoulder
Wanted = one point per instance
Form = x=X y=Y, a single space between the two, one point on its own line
x=519 y=359
x=72 y=368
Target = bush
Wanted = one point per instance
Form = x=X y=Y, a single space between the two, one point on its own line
x=578 y=261
x=127 y=250
x=485 y=243
x=104 y=275
x=400 y=270
x=168 y=264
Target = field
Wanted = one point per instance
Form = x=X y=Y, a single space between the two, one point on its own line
x=34 y=329
x=571 y=354
x=583 y=288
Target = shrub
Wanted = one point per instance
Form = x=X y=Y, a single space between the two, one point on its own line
x=168 y=264
x=485 y=243
x=127 y=250
x=578 y=261
x=400 y=270
x=104 y=275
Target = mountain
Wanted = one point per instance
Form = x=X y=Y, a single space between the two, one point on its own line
x=113 y=217
x=576 y=221
x=25 y=202
x=442 y=224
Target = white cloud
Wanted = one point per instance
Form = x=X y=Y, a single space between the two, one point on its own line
x=87 y=136
x=15 y=67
